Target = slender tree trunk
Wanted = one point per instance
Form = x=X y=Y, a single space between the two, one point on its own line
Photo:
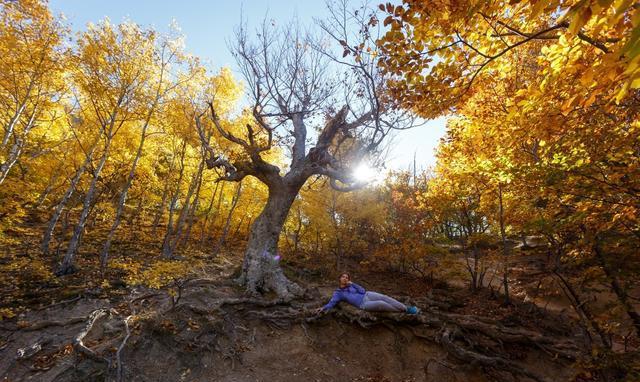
x=505 y=250
x=218 y=210
x=12 y=158
x=166 y=243
x=137 y=216
x=12 y=123
x=159 y=213
x=67 y=265
x=334 y=220
x=473 y=269
x=244 y=216
x=296 y=237
x=227 y=224
x=165 y=194
x=240 y=223
x=261 y=272
x=104 y=254
x=619 y=291
x=65 y=198
x=191 y=215
x=583 y=311
x=63 y=231
x=50 y=185
x=17 y=115
x=16 y=148
x=184 y=212
x=206 y=216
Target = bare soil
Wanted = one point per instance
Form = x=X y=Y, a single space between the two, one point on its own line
x=214 y=333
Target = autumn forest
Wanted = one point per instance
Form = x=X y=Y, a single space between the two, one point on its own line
x=154 y=208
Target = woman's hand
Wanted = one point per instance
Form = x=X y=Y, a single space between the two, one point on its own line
x=349 y=283
x=318 y=310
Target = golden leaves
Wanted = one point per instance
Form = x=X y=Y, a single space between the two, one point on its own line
x=161 y=273
x=470 y=41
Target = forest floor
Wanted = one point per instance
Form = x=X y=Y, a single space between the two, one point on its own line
x=213 y=332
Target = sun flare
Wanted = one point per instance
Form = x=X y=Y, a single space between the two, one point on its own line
x=365 y=173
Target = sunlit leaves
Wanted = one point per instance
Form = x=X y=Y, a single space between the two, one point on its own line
x=451 y=46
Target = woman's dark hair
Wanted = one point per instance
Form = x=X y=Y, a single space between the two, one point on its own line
x=344 y=273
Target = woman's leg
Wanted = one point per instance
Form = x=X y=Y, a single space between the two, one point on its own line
x=378 y=306
x=396 y=305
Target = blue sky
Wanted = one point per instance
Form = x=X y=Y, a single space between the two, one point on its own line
x=207 y=26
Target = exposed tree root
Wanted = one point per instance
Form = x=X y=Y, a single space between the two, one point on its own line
x=122 y=345
x=219 y=326
x=473 y=330
x=443 y=328
x=477 y=325
x=45 y=324
x=219 y=303
x=556 y=346
x=79 y=346
x=30 y=351
x=447 y=339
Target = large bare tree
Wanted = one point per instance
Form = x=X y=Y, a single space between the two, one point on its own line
x=325 y=107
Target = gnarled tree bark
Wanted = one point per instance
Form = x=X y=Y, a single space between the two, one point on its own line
x=260 y=269
x=291 y=86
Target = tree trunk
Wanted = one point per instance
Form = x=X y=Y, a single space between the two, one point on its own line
x=473 y=269
x=206 y=216
x=159 y=213
x=67 y=195
x=505 y=250
x=18 y=114
x=50 y=186
x=69 y=258
x=192 y=213
x=239 y=227
x=296 y=237
x=583 y=310
x=166 y=243
x=16 y=148
x=261 y=272
x=104 y=254
x=334 y=220
x=12 y=158
x=165 y=193
x=227 y=224
x=184 y=212
x=46 y=240
x=137 y=217
x=218 y=210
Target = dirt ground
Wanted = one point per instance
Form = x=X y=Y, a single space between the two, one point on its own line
x=196 y=340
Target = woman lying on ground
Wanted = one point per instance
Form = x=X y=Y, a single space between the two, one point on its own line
x=355 y=295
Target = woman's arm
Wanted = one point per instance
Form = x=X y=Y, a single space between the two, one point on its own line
x=360 y=289
x=334 y=300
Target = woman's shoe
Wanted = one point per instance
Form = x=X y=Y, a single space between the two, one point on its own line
x=413 y=310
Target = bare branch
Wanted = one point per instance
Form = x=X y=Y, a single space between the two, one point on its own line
x=353 y=187
x=227 y=135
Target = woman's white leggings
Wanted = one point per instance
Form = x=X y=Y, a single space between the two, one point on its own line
x=381 y=303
